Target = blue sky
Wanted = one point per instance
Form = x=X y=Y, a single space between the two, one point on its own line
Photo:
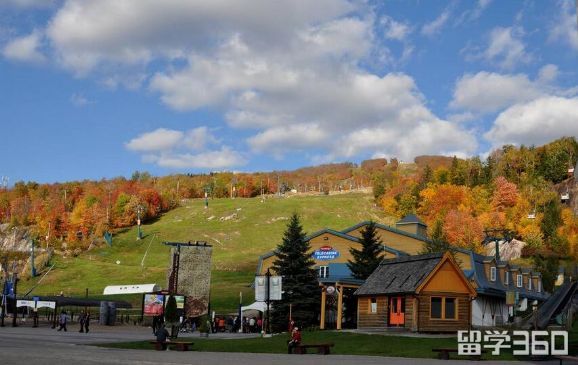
x=101 y=88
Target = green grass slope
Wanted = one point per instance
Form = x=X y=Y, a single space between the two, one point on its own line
x=239 y=230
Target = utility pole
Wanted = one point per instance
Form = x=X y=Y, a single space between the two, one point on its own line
x=14 y=307
x=268 y=275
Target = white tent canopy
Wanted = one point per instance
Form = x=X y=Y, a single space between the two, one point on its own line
x=131 y=289
x=258 y=306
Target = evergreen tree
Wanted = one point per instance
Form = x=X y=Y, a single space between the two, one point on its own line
x=366 y=260
x=437 y=242
x=300 y=285
x=548 y=266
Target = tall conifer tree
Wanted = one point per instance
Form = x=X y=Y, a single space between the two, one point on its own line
x=366 y=260
x=300 y=285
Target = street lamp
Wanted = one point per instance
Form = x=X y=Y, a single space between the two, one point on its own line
x=139 y=211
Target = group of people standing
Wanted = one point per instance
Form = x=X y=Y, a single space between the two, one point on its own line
x=83 y=319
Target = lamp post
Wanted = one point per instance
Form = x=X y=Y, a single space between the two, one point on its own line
x=139 y=210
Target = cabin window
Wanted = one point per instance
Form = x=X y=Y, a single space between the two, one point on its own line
x=443 y=308
x=507 y=278
x=373 y=305
x=519 y=283
x=323 y=271
x=436 y=307
x=492 y=273
x=450 y=309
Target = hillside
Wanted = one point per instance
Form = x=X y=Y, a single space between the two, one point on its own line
x=239 y=229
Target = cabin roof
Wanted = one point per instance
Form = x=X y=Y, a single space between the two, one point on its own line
x=399 y=275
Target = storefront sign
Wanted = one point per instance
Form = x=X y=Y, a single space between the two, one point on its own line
x=325 y=253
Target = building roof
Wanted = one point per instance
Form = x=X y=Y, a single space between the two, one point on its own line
x=387 y=228
x=333 y=232
x=498 y=288
x=399 y=275
x=411 y=219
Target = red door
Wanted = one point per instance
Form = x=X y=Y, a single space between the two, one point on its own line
x=396 y=311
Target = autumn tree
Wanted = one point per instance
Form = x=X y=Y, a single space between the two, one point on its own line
x=463 y=230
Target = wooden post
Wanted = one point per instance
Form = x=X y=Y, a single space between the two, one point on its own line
x=339 y=306
x=322 y=321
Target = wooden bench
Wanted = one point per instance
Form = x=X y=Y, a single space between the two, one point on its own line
x=178 y=345
x=444 y=353
x=567 y=359
x=322 y=348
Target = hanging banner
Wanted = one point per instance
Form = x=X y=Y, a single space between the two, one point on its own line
x=261 y=288
x=25 y=303
x=325 y=253
x=45 y=304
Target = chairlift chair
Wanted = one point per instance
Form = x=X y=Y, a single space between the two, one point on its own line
x=565 y=196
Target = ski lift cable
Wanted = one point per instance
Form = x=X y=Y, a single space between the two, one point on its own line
x=147 y=250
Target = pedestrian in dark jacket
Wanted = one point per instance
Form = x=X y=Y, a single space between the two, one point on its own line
x=86 y=321
x=81 y=319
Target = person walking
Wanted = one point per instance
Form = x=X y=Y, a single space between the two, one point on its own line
x=81 y=319
x=62 y=321
x=86 y=321
x=295 y=340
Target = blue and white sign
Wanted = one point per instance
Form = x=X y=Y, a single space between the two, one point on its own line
x=325 y=253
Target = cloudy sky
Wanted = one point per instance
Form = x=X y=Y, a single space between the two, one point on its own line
x=101 y=88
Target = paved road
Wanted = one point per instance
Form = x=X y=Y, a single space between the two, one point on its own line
x=38 y=346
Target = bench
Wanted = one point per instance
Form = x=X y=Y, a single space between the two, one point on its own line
x=444 y=353
x=567 y=359
x=322 y=348
x=178 y=345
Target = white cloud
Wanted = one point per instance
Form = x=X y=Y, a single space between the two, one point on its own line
x=547 y=74
x=25 y=49
x=473 y=14
x=487 y=92
x=536 y=122
x=89 y=33
x=173 y=149
x=565 y=27
x=196 y=139
x=432 y=28
x=505 y=48
x=210 y=160
x=283 y=139
x=395 y=30
x=158 y=140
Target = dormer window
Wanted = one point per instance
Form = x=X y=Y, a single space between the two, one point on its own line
x=507 y=278
x=519 y=281
x=493 y=273
x=539 y=286
x=529 y=283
